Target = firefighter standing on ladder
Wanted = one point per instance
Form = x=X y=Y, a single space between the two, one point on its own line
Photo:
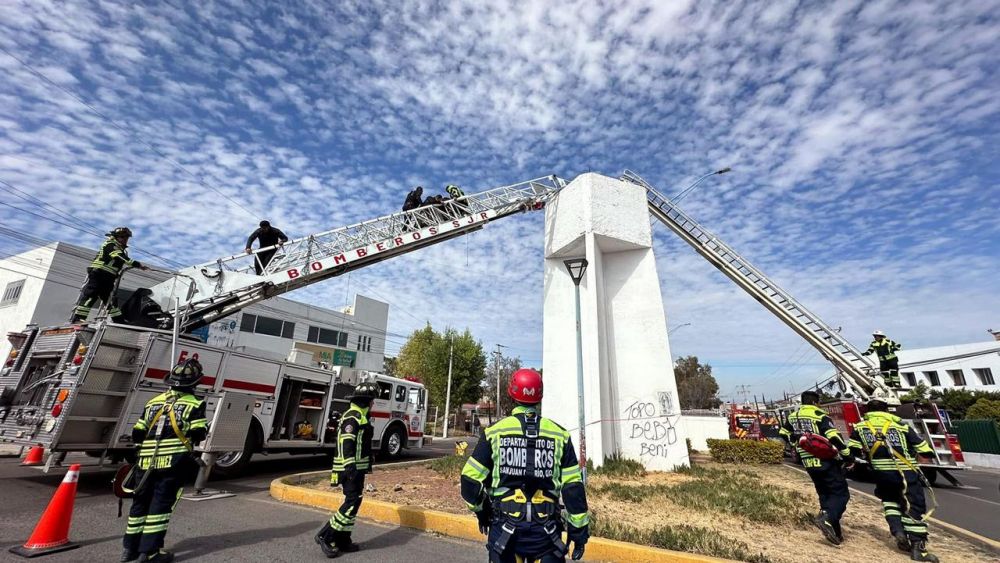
x=102 y=276
x=888 y=363
x=888 y=445
x=514 y=479
x=352 y=461
x=826 y=474
x=171 y=424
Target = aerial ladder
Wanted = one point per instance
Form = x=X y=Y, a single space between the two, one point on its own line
x=198 y=295
x=855 y=372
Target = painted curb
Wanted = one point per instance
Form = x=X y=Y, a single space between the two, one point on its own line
x=287 y=489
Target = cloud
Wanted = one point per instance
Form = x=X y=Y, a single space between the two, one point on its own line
x=861 y=137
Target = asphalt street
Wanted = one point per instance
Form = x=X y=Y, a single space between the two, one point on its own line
x=248 y=527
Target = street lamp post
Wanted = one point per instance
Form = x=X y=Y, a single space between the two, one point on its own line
x=499 y=356
x=447 y=395
x=677 y=327
x=688 y=189
x=577 y=267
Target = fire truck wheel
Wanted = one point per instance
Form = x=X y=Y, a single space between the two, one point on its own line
x=392 y=443
x=232 y=464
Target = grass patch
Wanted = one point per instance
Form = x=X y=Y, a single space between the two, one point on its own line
x=738 y=495
x=449 y=467
x=691 y=539
x=628 y=493
x=617 y=466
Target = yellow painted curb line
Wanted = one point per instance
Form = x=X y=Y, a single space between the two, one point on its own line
x=466 y=527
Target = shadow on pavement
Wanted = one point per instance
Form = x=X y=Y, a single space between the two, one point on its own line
x=199 y=547
x=393 y=538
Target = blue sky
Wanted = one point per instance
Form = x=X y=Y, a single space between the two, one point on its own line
x=862 y=136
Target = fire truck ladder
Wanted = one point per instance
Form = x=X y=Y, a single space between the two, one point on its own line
x=201 y=294
x=853 y=368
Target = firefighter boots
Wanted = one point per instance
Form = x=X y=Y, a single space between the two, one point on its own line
x=344 y=544
x=325 y=538
x=129 y=555
x=822 y=521
x=902 y=542
x=920 y=552
x=161 y=556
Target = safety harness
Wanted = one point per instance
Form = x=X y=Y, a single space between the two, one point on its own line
x=881 y=440
x=517 y=507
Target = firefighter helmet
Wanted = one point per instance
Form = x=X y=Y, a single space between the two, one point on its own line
x=877 y=405
x=878 y=333
x=525 y=386
x=818 y=446
x=121 y=232
x=185 y=374
x=366 y=390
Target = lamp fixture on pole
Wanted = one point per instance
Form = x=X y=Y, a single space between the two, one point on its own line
x=577 y=267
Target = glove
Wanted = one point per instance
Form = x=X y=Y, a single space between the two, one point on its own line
x=578 y=538
x=485 y=517
x=350 y=473
x=334 y=479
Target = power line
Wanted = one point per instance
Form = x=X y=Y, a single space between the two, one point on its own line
x=125 y=130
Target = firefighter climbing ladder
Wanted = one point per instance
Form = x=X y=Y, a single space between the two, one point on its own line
x=855 y=369
x=201 y=294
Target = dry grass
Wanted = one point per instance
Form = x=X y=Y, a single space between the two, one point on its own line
x=749 y=513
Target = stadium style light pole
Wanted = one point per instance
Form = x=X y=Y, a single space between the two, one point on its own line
x=688 y=189
x=577 y=267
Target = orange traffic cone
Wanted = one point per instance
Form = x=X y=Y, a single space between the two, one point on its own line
x=34 y=456
x=52 y=531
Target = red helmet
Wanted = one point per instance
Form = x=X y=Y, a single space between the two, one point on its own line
x=525 y=386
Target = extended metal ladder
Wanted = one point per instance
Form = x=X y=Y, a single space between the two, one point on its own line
x=855 y=369
x=206 y=292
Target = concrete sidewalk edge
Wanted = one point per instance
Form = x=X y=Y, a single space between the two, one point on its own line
x=287 y=489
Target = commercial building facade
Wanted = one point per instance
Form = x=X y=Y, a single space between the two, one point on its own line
x=973 y=366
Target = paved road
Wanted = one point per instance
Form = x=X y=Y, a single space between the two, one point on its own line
x=248 y=527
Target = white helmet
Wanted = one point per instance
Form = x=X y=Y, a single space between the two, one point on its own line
x=878 y=333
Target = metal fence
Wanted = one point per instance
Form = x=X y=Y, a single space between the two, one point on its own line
x=979 y=436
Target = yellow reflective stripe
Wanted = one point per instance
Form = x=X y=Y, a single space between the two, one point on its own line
x=578 y=520
x=474 y=470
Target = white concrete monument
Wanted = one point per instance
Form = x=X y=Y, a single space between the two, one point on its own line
x=631 y=404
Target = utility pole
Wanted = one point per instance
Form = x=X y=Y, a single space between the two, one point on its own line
x=447 y=394
x=499 y=356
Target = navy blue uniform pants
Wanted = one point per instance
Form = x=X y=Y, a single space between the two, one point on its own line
x=831 y=486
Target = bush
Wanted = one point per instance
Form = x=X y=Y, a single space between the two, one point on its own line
x=691 y=450
x=984 y=409
x=745 y=451
x=450 y=466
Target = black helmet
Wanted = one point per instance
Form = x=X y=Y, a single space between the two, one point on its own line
x=367 y=390
x=185 y=374
x=121 y=232
x=877 y=405
x=265 y=224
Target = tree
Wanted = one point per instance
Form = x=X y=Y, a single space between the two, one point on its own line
x=389 y=367
x=508 y=365
x=958 y=401
x=985 y=409
x=696 y=386
x=919 y=394
x=425 y=356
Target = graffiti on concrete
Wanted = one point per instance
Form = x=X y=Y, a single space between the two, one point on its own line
x=649 y=425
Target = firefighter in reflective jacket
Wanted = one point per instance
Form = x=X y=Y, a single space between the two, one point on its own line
x=827 y=474
x=350 y=465
x=171 y=424
x=889 y=444
x=102 y=275
x=514 y=479
x=888 y=363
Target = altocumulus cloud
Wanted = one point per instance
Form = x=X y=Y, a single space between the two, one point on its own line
x=862 y=137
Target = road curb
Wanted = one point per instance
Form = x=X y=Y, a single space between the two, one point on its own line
x=968 y=535
x=287 y=489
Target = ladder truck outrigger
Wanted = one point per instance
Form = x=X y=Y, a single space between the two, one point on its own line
x=858 y=378
x=81 y=387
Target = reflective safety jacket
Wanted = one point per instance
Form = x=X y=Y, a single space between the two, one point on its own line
x=812 y=420
x=171 y=424
x=112 y=257
x=885 y=349
x=354 y=442
x=887 y=442
x=522 y=464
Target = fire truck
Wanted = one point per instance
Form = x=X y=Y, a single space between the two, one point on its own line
x=81 y=387
x=858 y=378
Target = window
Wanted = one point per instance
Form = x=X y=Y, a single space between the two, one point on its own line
x=384 y=391
x=985 y=375
x=416 y=399
x=957 y=376
x=267 y=325
x=365 y=343
x=911 y=379
x=327 y=336
x=400 y=393
x=932 y=378
x=12 y=293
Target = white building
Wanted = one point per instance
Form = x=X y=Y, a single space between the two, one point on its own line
x=969 y=366
x=41 y=286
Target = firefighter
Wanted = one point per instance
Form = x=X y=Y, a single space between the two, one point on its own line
x=514 y=478
x=102 y=276
x=827 y=474
x=888 y=363
x=266 y=236
x=454 y=191
x=350 y=465
x=889 y=445
x=171 y=424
